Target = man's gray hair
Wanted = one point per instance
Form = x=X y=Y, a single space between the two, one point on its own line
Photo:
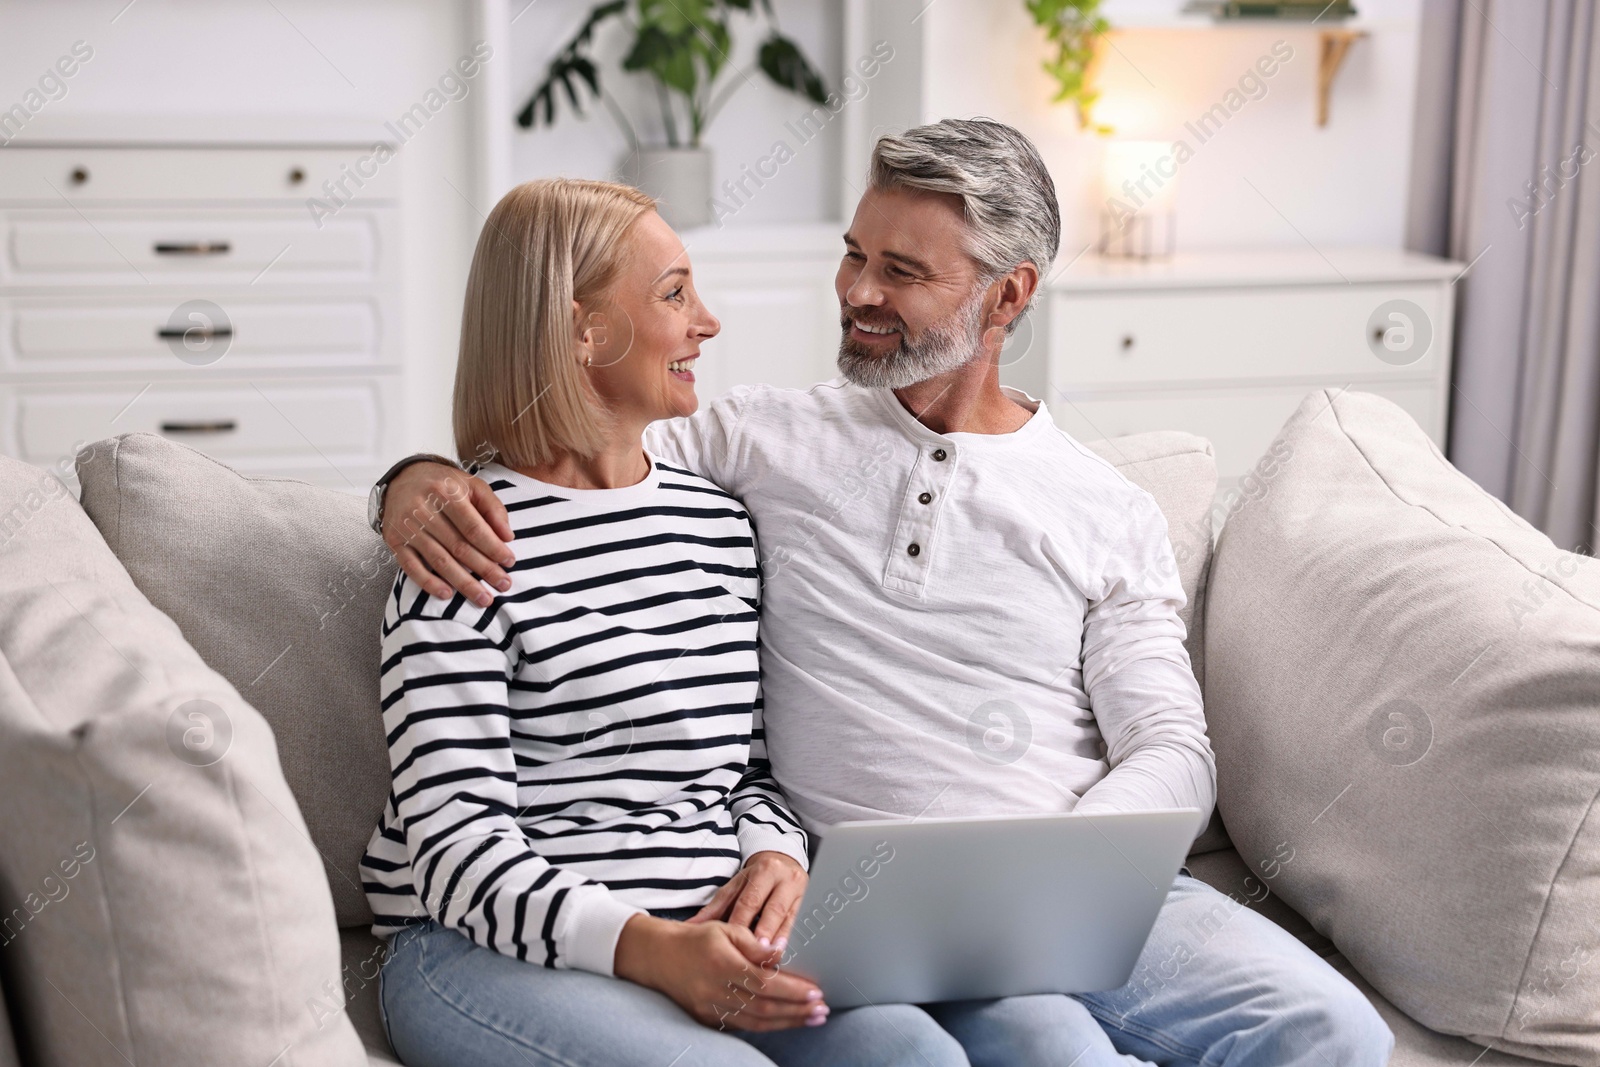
x=1007 y=197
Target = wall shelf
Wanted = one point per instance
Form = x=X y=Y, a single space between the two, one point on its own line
x=1334 y=37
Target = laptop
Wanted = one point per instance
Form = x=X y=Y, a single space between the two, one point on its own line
x=912 y=912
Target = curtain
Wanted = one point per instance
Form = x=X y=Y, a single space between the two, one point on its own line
x=1505 y=176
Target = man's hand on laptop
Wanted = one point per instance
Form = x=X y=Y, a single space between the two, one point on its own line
x=770 y=885
x=444 y=526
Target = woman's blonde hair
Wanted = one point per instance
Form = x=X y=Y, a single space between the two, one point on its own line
x=519 y=391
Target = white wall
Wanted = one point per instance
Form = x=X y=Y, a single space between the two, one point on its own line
x=1339 y=185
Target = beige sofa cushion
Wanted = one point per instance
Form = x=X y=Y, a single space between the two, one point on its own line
x=279 y=585
x=1403 y=692
x=162 y=904
x=1414 y=1045
x=1417 y=1046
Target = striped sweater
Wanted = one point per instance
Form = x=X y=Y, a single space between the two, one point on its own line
x=590 y=745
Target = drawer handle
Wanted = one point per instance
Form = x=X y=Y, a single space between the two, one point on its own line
x=195 y=333
x=193 y=248
x=1127 y=343
x=216 y=426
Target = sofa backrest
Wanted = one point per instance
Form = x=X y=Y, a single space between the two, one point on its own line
x=1180 y=471
x=8 y=1044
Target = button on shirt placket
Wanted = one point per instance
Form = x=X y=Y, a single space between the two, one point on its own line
x=911 y=554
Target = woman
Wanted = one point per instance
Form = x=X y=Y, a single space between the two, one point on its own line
x=579 y=766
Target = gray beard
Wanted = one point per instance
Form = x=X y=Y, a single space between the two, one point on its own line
x=939 y=349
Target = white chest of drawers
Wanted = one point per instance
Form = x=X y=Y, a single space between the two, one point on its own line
x=192 y=292
x=1227 y=344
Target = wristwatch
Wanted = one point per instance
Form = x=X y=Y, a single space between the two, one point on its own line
x=381 y=486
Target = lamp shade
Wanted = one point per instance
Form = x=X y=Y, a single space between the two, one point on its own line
x=1141 y=174
x=1139 y=185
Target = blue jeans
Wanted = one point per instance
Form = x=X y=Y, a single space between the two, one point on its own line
x=447 y=1002
x=1217 y=985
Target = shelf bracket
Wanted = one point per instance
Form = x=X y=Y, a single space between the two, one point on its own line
x=1335 y=45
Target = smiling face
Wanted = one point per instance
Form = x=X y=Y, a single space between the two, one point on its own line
x=912 y=301
x=644 y=339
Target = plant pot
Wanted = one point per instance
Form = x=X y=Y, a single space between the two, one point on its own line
x=679 y=179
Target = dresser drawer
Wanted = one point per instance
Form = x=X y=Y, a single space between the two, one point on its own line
x=67 y=248
x=51 y=336
x=89 y=175
x=1240 y=423
x=327 y=428
x=1201 y=335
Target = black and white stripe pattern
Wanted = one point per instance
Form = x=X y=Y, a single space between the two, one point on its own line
x=588 y=746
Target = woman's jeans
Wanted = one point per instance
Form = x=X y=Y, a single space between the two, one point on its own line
x=1217 y=984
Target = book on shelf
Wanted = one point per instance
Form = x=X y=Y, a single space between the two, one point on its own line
x=1302 y=10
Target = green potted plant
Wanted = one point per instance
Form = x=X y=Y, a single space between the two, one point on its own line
x=1075 y=28
x=682 y=46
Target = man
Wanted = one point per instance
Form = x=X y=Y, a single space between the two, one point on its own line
x=966 y=612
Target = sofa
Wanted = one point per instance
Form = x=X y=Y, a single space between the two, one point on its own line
x=1402 y=684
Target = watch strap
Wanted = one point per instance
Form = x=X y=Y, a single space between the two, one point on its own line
x=381 y=486
x=419 y=457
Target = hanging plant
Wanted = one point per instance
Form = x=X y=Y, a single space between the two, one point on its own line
x=683 y=46
x=1075 y=28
